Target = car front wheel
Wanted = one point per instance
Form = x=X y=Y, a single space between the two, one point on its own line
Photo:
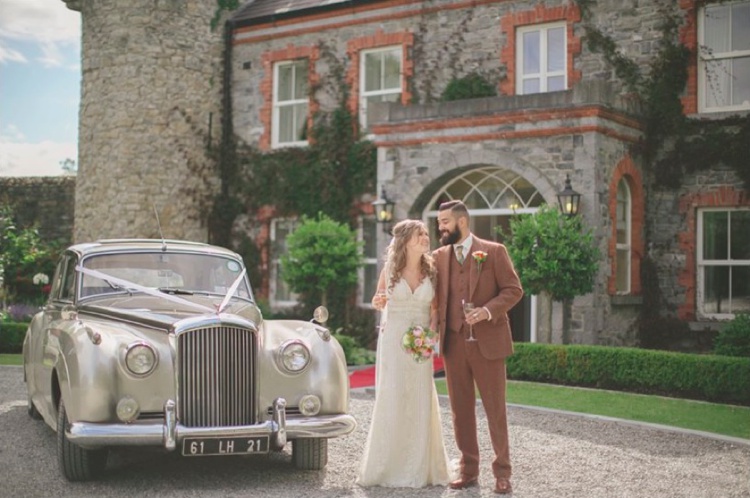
x=76 y=463
x=310 y=454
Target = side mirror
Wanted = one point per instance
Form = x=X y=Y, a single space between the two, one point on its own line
x=320 y=314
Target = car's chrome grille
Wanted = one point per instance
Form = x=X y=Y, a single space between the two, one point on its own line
x=216 y=377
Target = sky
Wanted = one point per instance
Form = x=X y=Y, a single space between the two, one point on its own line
x=40 y=80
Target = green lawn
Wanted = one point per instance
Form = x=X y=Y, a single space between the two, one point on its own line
x=11 y=359
x=728 y=420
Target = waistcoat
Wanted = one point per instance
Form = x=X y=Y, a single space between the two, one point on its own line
x=458 y=289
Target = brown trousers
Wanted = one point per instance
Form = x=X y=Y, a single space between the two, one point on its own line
x=464 y=367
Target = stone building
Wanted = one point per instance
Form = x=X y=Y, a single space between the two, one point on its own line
x=561 y=111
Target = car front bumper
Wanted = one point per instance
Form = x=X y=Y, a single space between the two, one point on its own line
x=169 y=433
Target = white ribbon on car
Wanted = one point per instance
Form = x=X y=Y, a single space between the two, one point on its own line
x=147 y=290
x=231 y=291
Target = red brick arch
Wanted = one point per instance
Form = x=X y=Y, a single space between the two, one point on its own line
x=627 y=171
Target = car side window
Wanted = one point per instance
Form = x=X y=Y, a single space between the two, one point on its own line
x=68 y=289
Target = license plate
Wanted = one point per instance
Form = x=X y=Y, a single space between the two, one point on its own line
x=203 y=446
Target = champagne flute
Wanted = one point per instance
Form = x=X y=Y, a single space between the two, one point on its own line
x=468 y=308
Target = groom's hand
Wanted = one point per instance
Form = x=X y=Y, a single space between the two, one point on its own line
x=477 y=315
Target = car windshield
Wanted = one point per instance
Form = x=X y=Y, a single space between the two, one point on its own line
x=172 y=273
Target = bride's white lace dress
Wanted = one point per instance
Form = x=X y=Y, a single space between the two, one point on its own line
x=405 y=444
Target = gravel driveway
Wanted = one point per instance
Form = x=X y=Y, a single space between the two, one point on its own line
x=554 y=455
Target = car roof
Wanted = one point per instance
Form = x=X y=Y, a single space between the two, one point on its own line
x=135 y=245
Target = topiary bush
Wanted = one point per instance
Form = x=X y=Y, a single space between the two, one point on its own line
x=734 y=338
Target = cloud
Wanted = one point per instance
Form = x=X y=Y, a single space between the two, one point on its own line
x=21 y=158
x=40 y=25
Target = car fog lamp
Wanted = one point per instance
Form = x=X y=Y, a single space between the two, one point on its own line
x=128 y=409
x=309 y=405
x=294 y=356
x=140 y=359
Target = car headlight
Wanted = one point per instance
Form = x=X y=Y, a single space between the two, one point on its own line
x=309 y=405
x=293 y=356
x=140 y=358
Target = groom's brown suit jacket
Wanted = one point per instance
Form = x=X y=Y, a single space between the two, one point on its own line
x=495 y=286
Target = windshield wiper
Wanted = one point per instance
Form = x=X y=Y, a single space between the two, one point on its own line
x=174 y=291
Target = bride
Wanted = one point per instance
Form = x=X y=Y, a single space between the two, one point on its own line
x=405 y=444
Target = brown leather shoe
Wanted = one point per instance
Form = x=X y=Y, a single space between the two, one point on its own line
x=503 y=487
x=463 y=482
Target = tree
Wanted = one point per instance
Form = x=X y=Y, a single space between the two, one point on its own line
x=322 y=263
x=555 y=258
x=69 y=166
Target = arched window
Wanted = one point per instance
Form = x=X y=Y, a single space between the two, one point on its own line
x=623 y=220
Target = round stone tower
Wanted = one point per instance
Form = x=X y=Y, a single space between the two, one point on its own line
x=150 y=96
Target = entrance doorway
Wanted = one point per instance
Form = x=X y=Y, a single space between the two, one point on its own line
x=493 y=195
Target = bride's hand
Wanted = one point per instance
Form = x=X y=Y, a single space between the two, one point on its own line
x=379 y=300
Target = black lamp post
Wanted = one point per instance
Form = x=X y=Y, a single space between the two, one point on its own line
x=384 y=211
x=568 y=199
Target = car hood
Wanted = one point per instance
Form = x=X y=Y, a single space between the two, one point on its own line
x=160 y=313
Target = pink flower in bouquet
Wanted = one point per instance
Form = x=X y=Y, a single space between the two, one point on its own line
x=419 y=342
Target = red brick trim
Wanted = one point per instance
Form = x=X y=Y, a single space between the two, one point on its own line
x=688 y=240
x=266 y=85
x=380 y=39
x=570 y=13
x=689 y=38
x=627 y=171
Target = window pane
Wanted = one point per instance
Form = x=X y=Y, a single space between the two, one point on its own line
x=556 y=83
x=284 y=85
x=392 y=69
x=372 y=71
x=370 y=283
x=531 y=50
x=370 y=238
x=286 y=124
x=715 y=235
x=282 y=289
x=300 y=80
x=741 y=26
x=740 y=289
x=717 y=28
x=716 y=289
x=740 y=235
x=718 y=83
x=531 y=86
x=623 y=271
x=556 y=49
x=741 y=81
x=300 y=111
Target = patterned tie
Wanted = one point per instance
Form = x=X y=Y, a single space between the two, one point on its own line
x=460 y=254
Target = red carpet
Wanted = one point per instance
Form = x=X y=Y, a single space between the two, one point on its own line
x=365 y=377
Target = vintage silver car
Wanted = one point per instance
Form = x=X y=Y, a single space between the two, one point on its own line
x=161 y=343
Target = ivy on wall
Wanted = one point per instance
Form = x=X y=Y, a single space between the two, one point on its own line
x=673 y=144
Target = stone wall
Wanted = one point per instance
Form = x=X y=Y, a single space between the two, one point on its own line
x=45 y=202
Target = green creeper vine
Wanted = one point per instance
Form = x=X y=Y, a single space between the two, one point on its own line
x=673 y=144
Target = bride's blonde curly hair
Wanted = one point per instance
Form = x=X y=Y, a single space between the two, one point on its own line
x=395 y=255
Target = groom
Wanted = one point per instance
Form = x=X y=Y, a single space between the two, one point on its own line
x=478 y=271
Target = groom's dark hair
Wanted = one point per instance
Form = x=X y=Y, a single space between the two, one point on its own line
x=458 y=208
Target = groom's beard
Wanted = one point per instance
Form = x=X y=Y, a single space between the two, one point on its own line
x=448 y=238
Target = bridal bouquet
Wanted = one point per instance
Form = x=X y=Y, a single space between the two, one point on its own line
x=419 y=342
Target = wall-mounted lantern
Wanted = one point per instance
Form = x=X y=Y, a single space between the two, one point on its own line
x=569 y=199
x=384 y=211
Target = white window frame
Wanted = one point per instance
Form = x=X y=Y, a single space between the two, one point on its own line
x=363 y=94
x=543 y=75
x=364 y=300
x=275 y=260
x=626 y=246
x=278 y=105
x=702 y=264
x=704 y=56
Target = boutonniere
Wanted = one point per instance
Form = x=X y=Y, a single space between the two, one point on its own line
x=480 y=257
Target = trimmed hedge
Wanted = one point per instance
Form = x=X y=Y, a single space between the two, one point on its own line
x=721 y=379
x=11 y=336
